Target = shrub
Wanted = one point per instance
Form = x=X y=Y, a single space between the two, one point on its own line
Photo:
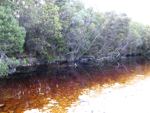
x=12 y=35
x=3 y=69
x=8 y=66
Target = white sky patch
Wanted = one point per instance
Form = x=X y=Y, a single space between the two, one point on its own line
x=137 y=10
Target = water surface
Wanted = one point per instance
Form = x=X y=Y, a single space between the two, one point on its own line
x=119 y=89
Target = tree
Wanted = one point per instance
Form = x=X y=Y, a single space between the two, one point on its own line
x=79 y=25
x=43 y=26
x=114 y=33
x=58 y=29
x=12 y=35
x=85 y=29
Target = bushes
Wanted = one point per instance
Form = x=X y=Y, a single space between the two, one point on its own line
x=62 y=29
x=8 y=66
x=12 y=38
x=12 y=35
x=3 y=69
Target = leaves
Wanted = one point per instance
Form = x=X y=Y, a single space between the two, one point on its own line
x=62 y=28
x=12 y=35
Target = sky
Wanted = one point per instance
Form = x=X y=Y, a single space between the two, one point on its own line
x=137 y=10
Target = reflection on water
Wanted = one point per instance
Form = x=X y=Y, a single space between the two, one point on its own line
x=121 y=90
x=132 y=97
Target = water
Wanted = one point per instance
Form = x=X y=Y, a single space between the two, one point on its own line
x=123 y=89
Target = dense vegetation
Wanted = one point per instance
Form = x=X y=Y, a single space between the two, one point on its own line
x=12 y=35
x=49 y=30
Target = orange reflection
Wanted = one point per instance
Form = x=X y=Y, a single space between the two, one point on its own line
x=69 y=92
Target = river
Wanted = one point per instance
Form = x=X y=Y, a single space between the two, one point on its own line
x=117 y=89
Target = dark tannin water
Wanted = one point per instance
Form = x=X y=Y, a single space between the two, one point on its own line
x=119 y=89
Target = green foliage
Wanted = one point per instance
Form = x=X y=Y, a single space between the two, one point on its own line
x=58 y=29
x=43 y=26
x=65 y=28
x=12 y=35
x=3 y=69
x=8 y=64
x=25 y=61
x=13 y=62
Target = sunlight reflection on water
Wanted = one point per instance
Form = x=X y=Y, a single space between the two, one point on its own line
x=130 y=97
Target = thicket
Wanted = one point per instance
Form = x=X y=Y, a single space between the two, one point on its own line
x=64 y=30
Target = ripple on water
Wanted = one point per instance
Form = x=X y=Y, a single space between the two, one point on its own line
x=110 y=91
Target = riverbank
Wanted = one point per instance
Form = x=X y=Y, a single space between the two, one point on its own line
x=98 y=64
x=31 y=65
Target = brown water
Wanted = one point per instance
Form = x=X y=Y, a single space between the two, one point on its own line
x=111 y=90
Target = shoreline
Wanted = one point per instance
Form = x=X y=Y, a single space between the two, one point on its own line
x=47 y=67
